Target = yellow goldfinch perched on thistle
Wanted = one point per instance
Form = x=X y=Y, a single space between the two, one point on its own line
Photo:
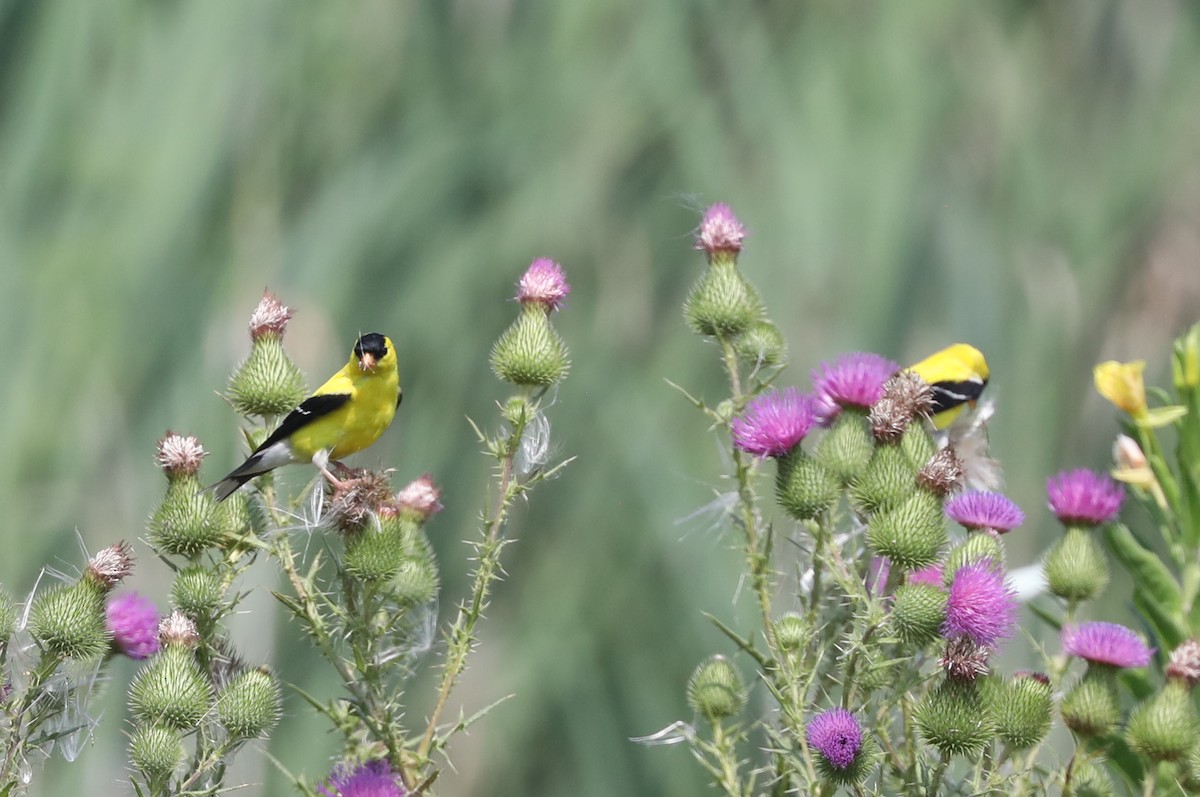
x=343 y=416
x=958 y=374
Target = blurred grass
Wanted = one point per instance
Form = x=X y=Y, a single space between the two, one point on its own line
x=1024 y=176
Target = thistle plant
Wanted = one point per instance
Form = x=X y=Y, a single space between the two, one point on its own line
x=879 y=620
x=360 y=582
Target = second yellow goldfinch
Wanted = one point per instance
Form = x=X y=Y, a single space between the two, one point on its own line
x=343 y=416
x=958 y=374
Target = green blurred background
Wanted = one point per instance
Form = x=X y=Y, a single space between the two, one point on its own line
x=1020 y=175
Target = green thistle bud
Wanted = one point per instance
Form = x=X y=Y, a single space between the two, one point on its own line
x=761 y=344
x=156 y=752
x=1089 y=779
x=1092 y=707
x=846 y=450
x=1185 y=366
x=722 y=303
x=375 y=553
x=530 y=352
x=793 y=633
x=1165 y=727
x=416 y=582
x=955 y=719
x=68 y=621
x=171 y=690
x=249 y=705
x=1022 y=707
x=241 y=518
x=888 y=479
x=267 y=383
x=187 y=521
x=716 y=690
x=803 y=486
x=917 y=445
x=8 y=616
x=1075 y=567
x=911 y=535
x=918 y=613
x=198 y=593
x=1190 y=770
x=975 y=548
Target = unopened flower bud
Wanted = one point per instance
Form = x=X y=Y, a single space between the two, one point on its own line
x=918 y=612
x=376 y=553
x=109 y=566
x=1165 y=727
x=156 y=751
x=249 y=705
x=793 y=633
x=68 y=621
x=171 y=690
x=1023 y=710
x=803 y=486
x=761 y=344
x=888 y=479
x=847 y=448
x=722 y=303
x=416 y=582
x=976 y=548
x=716 y=690
x=1075 y=567
x=198 y=592
x=1185 y=365
x=1092 y=707
x=912 y=534
x=955 y=719
x=530 y=352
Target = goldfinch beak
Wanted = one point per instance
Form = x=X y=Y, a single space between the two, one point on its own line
x=366 y=362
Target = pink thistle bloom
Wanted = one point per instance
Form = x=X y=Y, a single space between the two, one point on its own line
x=981 y=509
x=179 y=454
x=720 y=231
x=133 y=622
x=852 y=380
x=980 y=605
x=372 y=779
x=545 y=283
x=1106 y=643
x=774 y=423
x=835 y=734
x=1084 y=497
x=931 y=575
x=421 y=497
x=270 y=317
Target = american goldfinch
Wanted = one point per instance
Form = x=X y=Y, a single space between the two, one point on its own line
x=345 y=415
x=958 y=374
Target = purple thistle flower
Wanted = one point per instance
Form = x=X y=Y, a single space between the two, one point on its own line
x=774 y=423
x=981 y=509
x=133 y=622
x=544 y=283
x=834 y=733
x=853 y=380
x=372 y=779
x=931 y=575
x=720 y=231
x=1084 y=497
x=980 y=605
x=1106 y=643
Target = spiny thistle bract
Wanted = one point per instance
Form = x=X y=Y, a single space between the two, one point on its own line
x=955 y=719
x=267 y=383
x=716 y=689
x=171 y=690
x=1075 y=567
x=761 y=344
x=531 y=352
x=198 y=592
x=156 y=751
x=722 y=303
x=249 y=705
x=912 y=534
x=1023 y=708
x=188 y=521
x=803 y=486
x=887 y=480
x=1165 y=727
x=847 y=447
x=918 y=612
x=69 y=621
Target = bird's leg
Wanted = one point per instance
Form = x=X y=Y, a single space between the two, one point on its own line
x=321 y=461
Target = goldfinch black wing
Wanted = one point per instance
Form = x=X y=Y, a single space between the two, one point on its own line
x=276 y=450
